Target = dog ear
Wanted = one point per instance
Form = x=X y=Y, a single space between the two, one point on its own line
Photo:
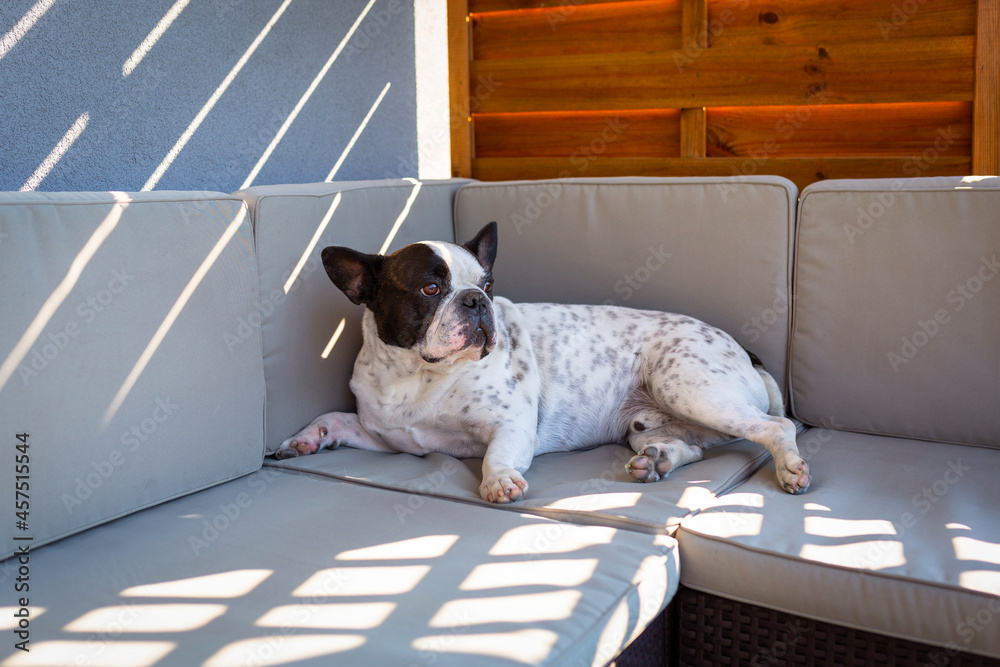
x=355 y=273
x=484 y=246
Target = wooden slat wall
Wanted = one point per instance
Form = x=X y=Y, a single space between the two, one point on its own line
x=807 y=89
x=986 y=119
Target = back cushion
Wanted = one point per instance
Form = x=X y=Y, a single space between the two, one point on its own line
x=116 y=311
x=714 y=248
x=897 y=308
x=311 y=332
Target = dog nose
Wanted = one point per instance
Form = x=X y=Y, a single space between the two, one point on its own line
x=475 y=301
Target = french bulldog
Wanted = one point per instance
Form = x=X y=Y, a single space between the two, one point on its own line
x=447 y=366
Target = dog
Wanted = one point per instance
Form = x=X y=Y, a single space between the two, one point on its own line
x=447 y=366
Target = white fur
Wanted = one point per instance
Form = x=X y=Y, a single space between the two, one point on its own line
x=560 y=377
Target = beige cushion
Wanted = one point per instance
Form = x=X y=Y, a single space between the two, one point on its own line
x=281 y=568
x=293 y=223
x=587 y=487
x=900 y=537
x=897 y=308
x=113 y=354
x=718 y=249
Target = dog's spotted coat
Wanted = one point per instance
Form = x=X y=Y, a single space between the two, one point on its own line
x=446 y=367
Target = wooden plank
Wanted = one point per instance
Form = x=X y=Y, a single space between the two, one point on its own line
x=646 y=25
x=478 y=6
x=801 y=171
x=694 y=37
x=459 y=64
x=870 y=130
x=693 y=132
x=986 y=120
x=878 y=130
x=694 y=23
x=579 y=134
x=734 y=23
x=931 y=69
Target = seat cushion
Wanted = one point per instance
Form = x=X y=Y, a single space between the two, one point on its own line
x=280 y=567
x=718 y=249
x=896 y=536
x=585 y=487
x=113 y=357
x=311 y=332
x=897 y=308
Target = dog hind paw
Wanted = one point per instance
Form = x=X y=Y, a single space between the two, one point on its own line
x=794 y=476
x=649 y=466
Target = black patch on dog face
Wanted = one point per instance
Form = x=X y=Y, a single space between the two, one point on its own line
x=402 y=312
x=390 y=286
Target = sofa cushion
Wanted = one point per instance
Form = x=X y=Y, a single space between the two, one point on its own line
x=280 y=568
x=718 y=249
x=113 y=352
x=587 y=487
x=896 y=536
x=897 y=308
x=311 y=332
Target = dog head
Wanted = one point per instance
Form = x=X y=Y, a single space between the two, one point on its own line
x=434 y=298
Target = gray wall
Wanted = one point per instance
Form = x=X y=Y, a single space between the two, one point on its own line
x=70 y=62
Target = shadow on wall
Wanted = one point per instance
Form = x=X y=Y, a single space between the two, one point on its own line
x=207 y=95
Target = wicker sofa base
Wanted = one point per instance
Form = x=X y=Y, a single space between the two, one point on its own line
x=703 y=630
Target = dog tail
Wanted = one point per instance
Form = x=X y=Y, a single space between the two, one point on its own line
x=776 y=405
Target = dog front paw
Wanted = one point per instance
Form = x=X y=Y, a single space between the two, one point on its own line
x=793 y=475
x=309 y=440
x=505 y=486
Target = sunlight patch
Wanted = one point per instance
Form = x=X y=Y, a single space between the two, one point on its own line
x=347 y=616
x=171 y=317
x=92 y=653
x=866 y=555
x=428 y=546
x=14 y=35
x=357 y=133
x=9 y=622
x=312 y=243
x=153 y=37
x=551 y=538
x=532 y=646
x=282 y=649
x=147 y=618
x=341 y=581
x=530 y=608
x=598 y=501
x=825 y=526
x=223 y=585
x=968 y=548
x=59 y=294
x=986 y=581
x=533 y=573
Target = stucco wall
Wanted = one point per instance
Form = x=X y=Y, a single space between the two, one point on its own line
x=73 y=117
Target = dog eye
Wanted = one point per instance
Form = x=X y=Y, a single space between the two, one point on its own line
x=488 y=286
x=430 y=290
